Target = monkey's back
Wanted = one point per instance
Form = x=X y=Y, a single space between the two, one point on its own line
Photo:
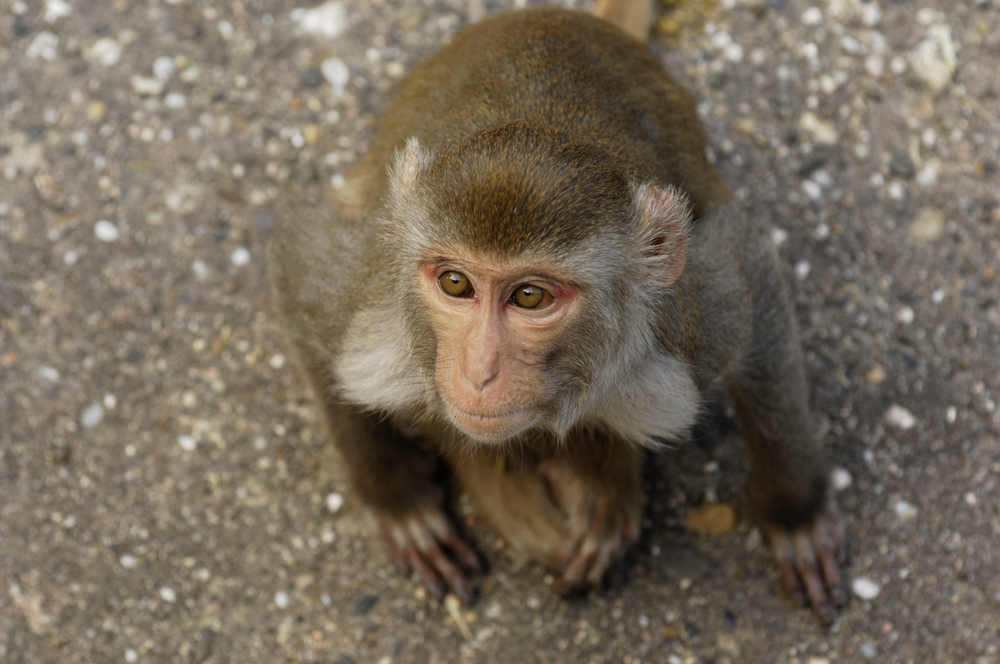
x=569 y=70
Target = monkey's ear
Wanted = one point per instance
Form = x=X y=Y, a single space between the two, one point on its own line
x=410 y=163
x=664 y=217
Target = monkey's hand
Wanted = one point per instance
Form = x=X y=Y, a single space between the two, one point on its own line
x=603 y=508
x=418 y=542
x=810 y=560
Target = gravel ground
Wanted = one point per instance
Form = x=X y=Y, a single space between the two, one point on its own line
x=166 y=492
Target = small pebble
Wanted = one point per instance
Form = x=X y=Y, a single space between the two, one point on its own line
x=869 y=650
x=335 y=71
x=876 y=376
x=187 y=442
x=105 y=51
x=131 y=656
x=240 y=257
x=779 y=236
x=905 y=510
x=200 y=269
x=282 y=599
x=127 y=561
x=146 y=86
x=92 y=416
x=900 y=417
x=971 y=500
x=49 y=373
x=812 y=16
x=175 y=100
x=334 y=502
x=865 y=588
x=905 y=315
x=928 y=226
x=163 y=67
x=56 y=9
x=802 y=270
x=327 y=20
x=106 y=231
x=951 y=414
x=168 y=594
x=277 y=361
x=841 y=479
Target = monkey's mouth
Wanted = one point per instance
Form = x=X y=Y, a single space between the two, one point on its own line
x=491 y=427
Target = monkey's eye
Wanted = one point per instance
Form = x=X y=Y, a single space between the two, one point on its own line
x=455 y=284
x=530 y=297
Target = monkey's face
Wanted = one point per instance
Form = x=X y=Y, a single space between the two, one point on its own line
x=495 y=323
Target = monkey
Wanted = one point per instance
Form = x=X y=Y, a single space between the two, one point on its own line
x=530 y=279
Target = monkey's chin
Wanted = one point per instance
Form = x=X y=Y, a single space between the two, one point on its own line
x=492 y=428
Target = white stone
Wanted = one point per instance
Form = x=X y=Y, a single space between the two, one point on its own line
x=779 y=236
x=327 y=20
x=168 y=594
x=841 y=479
x=105 y=51
x=824 y=132
x=282 y=599
x=175 y=100
x=802 y=269
x=336 y=72
x=110 y=401
x=240 y=257
x=334 y=502
x=92 y=416
x=188 y=443
x=951 y=414
x=200 y=269
x=49 y=373
x=900 y=417
x=45 y=46
x=127 y=561
x=164 y=67
x=277 y=361
x=905 y=315
x=905 y=510
x=812 y=16
x=865 y=588
x=56 y=9
x=106 y=231
x=146 y=86
x=131 y=656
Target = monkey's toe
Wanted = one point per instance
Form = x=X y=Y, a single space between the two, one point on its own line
x=810 y=560
x=428 y=544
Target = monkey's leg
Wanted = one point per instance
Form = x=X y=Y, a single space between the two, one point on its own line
x=788 y=486
x=393 y=476
x=512 y=496
x=597 y=482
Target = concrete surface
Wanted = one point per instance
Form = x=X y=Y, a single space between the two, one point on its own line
x=166 y=493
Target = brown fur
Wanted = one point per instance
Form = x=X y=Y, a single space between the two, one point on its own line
x=548 y=147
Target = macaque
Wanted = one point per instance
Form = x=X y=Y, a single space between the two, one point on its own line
x=529 y=280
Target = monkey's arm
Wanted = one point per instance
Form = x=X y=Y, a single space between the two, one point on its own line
x=788 y=485
x=393 y=477
x=315 y=257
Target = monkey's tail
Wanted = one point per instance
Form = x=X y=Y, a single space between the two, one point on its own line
x=633 y=16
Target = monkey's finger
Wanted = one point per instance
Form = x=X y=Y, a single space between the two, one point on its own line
x=395 y=550
x=447 y=535
x=430 y=552
x=832 y=577
x=600 y=564
x=576 y=572
x=428 y=577
x=816 y=590
x=791 y=583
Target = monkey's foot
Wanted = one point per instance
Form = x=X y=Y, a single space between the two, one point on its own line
x=603 y=520
x=415 y=544
x=810 y=560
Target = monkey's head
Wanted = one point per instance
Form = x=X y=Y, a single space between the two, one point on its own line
x=527 y=265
